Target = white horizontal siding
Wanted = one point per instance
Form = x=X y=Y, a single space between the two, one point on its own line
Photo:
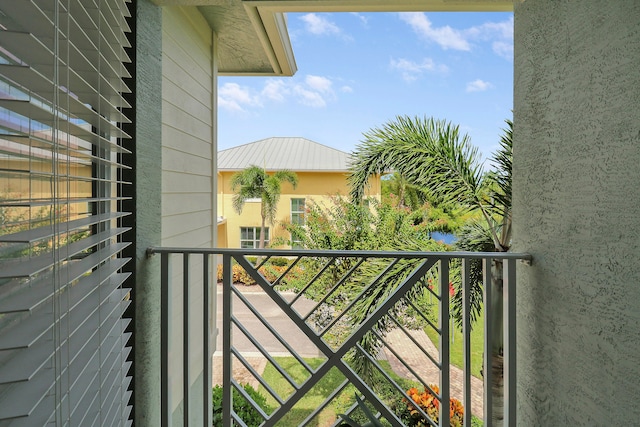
x=187 y=166
x=186 y=163
x=172 y=184
x=187 y=143
x=187 y=125
x=185 y=203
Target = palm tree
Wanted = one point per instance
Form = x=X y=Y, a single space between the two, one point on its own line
x=254 y=182
x=408 y=196
x=434 y=156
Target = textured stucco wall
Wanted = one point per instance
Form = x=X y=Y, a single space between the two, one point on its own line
x=148 y=208
x=577 y=210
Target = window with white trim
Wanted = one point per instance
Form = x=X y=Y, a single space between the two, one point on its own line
x=298 y=217
x=250 y=237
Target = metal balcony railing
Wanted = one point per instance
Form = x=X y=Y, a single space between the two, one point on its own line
x=357 y=316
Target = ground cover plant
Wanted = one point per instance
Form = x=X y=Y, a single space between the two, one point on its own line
x=245 y=411
x=387 y=392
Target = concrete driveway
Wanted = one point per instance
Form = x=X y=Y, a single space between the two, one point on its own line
x=284 y=326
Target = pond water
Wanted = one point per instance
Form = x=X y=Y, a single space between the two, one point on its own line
x=447 y=238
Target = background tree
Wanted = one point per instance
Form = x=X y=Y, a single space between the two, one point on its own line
x=406 y=195
x=434 y=156
x=254 y=182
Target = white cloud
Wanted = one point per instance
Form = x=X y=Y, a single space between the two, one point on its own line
x=309 y=97
x=234 y=97
x=361 y=17
x=319 y=25
x=446 y=37
x=346 y=89
x=504 y=49
x=318 y=83
x=313 y=91
x=502 y=30
x=275 y=90
x=499 y=34
x=412 y=70
x=478 y=86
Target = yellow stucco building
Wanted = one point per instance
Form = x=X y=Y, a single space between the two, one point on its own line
x=321 y=170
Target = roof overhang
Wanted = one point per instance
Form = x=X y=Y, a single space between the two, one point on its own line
x=248 y=42
x=283 y=6
x=253 y=38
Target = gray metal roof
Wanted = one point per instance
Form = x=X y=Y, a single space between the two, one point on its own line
x=296 y=154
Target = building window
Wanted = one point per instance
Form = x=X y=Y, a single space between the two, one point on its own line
x=297 y=217
x=250 y=237
x=297 y=211
x=64 y=337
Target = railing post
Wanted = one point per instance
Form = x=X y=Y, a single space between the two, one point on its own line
x=487 y=370
x=227 y=395
x=445 y=379
x=165 y=333
x=185 y=340
x=509 y=310
x=206 y=343
x=466 y=339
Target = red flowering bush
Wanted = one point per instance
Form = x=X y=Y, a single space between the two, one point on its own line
x=430 y=404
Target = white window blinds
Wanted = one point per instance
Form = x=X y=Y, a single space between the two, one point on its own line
x=63 y=341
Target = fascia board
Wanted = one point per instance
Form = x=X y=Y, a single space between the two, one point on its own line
x=284 y=6
x=271 y=28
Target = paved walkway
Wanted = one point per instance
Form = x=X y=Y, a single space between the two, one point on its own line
x=426 y=369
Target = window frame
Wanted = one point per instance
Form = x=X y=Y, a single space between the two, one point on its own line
x=255 y=239
x=302 y=212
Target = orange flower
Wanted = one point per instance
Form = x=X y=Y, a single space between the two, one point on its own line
x=430 y=405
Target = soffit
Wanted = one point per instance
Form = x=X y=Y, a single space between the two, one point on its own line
x=244 y=47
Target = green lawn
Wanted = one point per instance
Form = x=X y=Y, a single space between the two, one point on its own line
x=318 y=394
x=313 y=398
x=477 y=343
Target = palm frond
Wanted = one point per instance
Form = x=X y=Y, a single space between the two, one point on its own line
x=473 y=237
x=428 y=153
x=501 y=177
x=254 y=182
x=247 y=184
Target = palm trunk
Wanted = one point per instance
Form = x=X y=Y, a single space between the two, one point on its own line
x=497 y=344
x=261 y=242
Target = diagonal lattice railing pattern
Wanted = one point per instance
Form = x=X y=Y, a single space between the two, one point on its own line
x=360 y=313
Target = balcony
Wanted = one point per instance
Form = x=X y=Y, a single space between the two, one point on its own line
x=353 y=327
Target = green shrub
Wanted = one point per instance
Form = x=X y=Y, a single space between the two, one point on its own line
x=476 y=422
x=244 y=409
x=279 y=261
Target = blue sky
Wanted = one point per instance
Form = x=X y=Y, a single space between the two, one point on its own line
x=357 y=71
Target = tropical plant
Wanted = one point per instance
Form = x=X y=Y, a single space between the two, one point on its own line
x=341 y=225
x=404 y=194
x=255 y=182
x=434 y=155
x=428 y=403
x=245 y=411
x=373 y=421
